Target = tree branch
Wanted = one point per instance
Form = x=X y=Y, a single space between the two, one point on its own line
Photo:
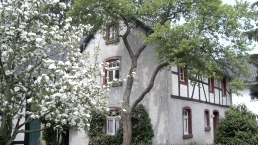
x=138 y=53
x=127 y=45
x=29 y=131
x=150 y=86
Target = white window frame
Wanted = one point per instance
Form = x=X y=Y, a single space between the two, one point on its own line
x=182 y=74
x=114 y=70
x=115 y=124
x=186 y=121
x=112 y=32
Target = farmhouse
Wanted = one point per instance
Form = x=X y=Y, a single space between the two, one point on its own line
x=181 y=111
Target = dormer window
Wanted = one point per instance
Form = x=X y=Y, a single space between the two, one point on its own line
x=112 y=34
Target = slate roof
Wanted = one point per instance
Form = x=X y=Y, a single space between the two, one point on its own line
x=254 y=73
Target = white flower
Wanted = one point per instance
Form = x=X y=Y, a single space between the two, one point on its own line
x=16 y=89
x=29 y=100
x=32 y=34
x=52 y=66
x=48 y=125
x=39 y=40
x=8 y=72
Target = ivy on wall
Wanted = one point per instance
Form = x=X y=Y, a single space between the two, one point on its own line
x=142 y=132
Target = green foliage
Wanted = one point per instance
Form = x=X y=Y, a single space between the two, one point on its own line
x=54 y=136
x=141 y=126
x=205 y=35
x=142 y=131
x=254 y=59
x=238 y=127
x=49 y=135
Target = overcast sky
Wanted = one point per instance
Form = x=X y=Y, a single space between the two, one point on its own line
x=251 y=1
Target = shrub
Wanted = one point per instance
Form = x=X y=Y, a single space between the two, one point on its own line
x=142 y=132
x=238 y=127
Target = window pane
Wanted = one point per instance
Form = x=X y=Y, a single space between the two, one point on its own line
x=110 y=126
x=206 y=119
x=117 y=125
x=117 y=74
x=112 y=32
x=185 y=126
x=110 y=75
x=110 y=64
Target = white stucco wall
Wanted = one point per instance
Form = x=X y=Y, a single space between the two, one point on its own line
x=245 y=98
x=78 y=137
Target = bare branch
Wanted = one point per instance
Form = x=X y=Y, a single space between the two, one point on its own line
x=29 y=131
x=150 y=86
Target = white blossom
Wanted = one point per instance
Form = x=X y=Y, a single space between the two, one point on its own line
x=45 y=63
x=16 y=89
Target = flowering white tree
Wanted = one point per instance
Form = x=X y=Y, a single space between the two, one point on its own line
x=42 y=69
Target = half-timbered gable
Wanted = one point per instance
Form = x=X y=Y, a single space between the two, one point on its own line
x=202 y=89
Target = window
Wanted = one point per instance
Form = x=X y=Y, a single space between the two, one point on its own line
x=207 y=120
x=211 y=85
x=187 y=123
x=112 y=71
x=112 y=124
x=112 y=34
x=182 y=72
x=215 y=120
x=224 y=87
x=254 y=96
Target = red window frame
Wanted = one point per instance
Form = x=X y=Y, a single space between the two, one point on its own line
x=224 y=87
x=182 y=75
x=189 y=111
x=207 y=126
x=114 y=58
x=211 y=85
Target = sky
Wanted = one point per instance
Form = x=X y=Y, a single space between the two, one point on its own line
x=255 y=44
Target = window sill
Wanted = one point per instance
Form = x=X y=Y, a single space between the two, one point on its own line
x=116 y=84
x=208 y=128
x=183 y=83
x=112 y=41
x=212 y=92
x=187 y=136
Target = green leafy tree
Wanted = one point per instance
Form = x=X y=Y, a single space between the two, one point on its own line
x=141 y=124
x=238 y=127
x=205 y=35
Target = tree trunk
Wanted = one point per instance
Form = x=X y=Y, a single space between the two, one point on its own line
x=127 y=128
x=6 y=130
